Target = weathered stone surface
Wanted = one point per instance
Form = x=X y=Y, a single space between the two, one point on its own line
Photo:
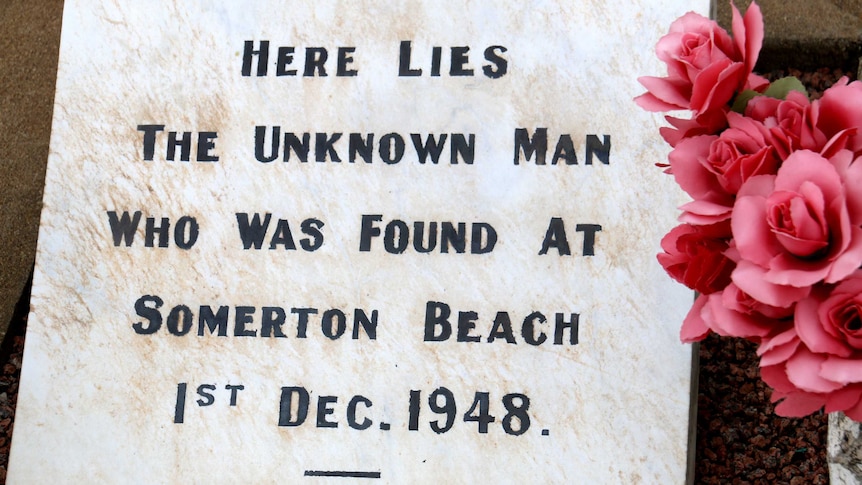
x=29 y=40
x=844 y=451
x=30 y=34
x=572 y=348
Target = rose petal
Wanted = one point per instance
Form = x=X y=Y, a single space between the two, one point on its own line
x=751 y=231
x=805 y=166
x=786 y=269
x=779 y=353
x=707 y=209
x=694 y=328
x=806 y=214
x=748 y=33
x=756 y=83
x=799 y=404
x=838 y=142
x=801 y=228
x=758 y=186
x=776 y=350
x=849 y=260
x=649 y=102
x=810 y=330
x=751 y=279
x=841 y=105
x=852 y=177
x=666 y=90
x=842 y=370
x=715 y=85
x=705 y=124
x=803 y=370
x=852 y=285
x=855 y=412
x=775 y=377
x=787 y=336
x=843 y=399
x=735 y=324
x=746 y=132
x=686 y=163
x=735 y=299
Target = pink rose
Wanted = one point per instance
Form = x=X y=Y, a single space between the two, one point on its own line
x=689 y=165
x=740 y=153
x=840 y=112
x=694 y=327
x=819 y=361
x=799 y=227
x=791 y=123
x=709 y=123
x=711 y=169
x=694 y=257
x=733 y=313
x=830 y=322
x=796 y=402
x=706 y=68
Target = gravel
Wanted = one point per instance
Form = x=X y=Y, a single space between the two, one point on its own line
x=739 y=438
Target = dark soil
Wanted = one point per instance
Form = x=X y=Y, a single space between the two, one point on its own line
x=739 y=438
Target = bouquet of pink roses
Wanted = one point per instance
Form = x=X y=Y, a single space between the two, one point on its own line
x=772 y=240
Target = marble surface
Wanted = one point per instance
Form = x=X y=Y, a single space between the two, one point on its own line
x=844 y=450
x=119 y=385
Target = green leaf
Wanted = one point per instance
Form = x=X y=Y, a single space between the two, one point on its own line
x=778 y=90
x=781 y=87
x=742 y=100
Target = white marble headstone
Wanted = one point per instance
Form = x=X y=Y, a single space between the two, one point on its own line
x=348 y=242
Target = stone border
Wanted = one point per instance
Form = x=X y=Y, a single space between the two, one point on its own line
x=844 y=450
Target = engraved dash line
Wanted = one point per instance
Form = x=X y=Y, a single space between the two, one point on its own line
x=341 y=474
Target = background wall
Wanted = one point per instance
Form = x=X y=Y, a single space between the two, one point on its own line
x=29 y=42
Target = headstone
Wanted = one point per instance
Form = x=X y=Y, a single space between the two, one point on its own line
x=407 y=242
